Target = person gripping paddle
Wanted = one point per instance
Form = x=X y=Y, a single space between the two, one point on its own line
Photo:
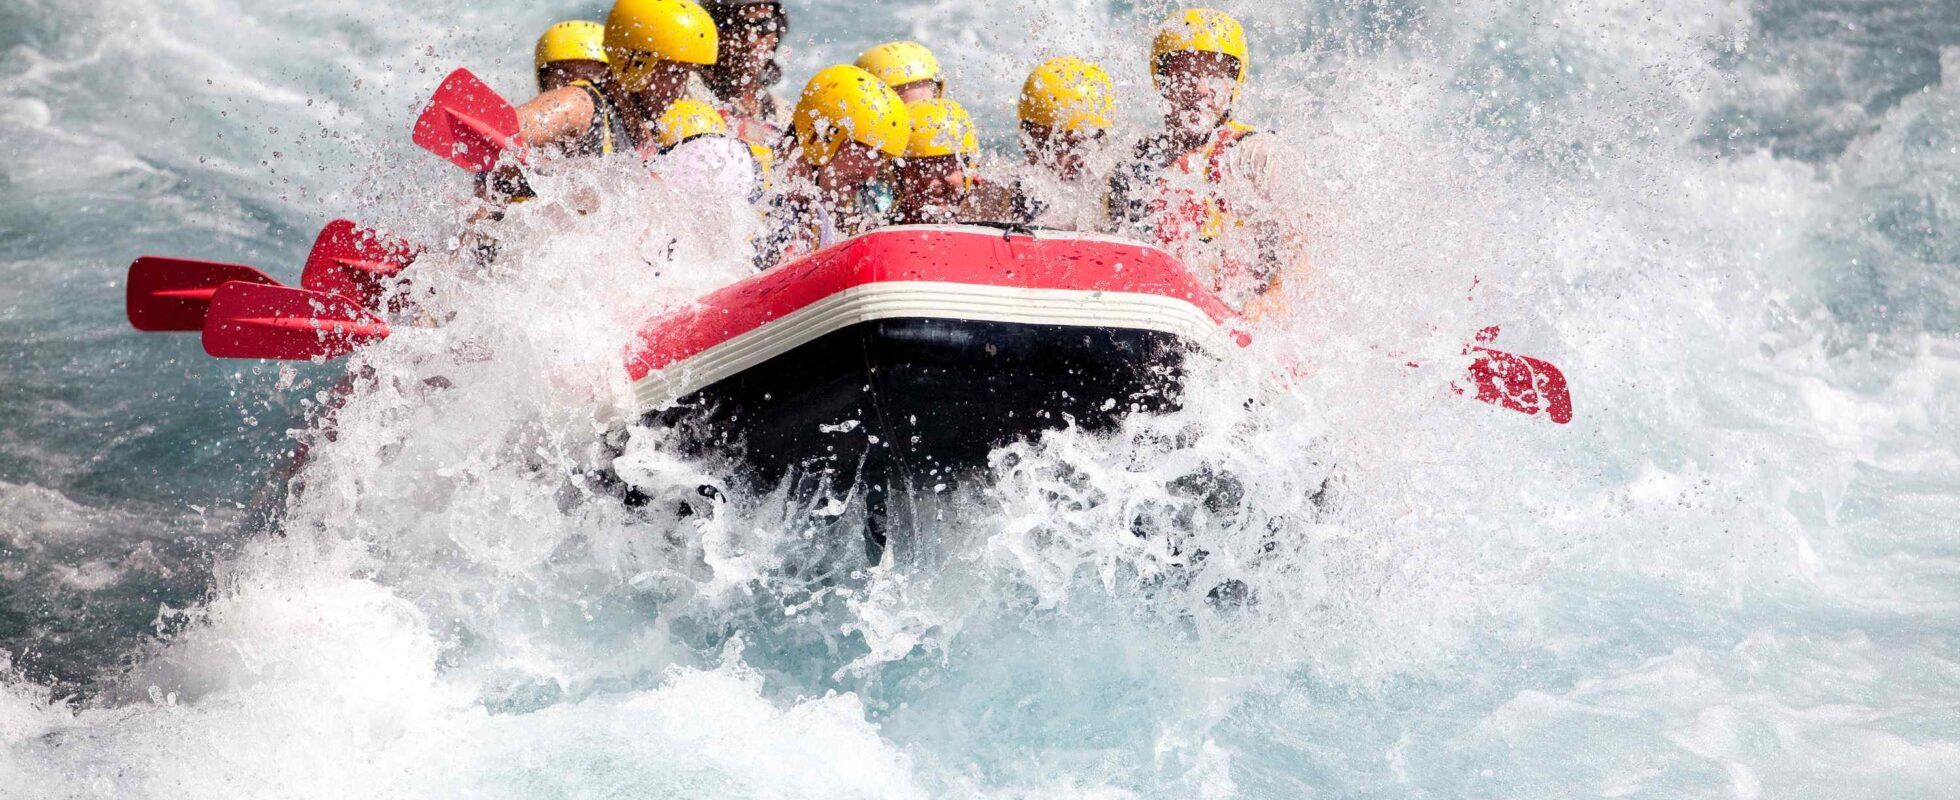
x=652 y=47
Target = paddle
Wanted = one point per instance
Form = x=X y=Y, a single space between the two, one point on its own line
x=1520 y=383
x=355 y=262
x=254 y=321
x=468 y=123
x=173 y=294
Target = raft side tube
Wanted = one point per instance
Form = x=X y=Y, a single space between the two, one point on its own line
x=912 y=352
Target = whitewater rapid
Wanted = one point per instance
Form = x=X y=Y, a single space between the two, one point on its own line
x=1736 y=574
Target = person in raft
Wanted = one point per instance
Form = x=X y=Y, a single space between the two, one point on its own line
x=739 y=83
x=1066 y=109
x=651 y=47
x=847 y=126
x=1203 y=187
x=936 y=174
x=570 y=58
x=914 y=73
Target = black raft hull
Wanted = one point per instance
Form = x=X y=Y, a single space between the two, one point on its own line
x=900 y=360
x=923 y=401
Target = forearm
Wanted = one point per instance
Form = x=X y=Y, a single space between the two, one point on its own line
x=555 y=117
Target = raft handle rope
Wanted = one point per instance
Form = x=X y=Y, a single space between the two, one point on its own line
x=1007 y=229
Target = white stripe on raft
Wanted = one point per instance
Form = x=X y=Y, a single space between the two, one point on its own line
x=927 y=300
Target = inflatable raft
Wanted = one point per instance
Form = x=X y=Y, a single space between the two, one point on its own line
x=912 y=352
x=895 y=361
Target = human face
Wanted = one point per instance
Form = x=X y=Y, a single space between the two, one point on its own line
x=651 y=77
x=660 y=83
x=916 y=91
x=931 y=189
x=1198 y=87
x=750 y=38
x=854 y=165
x=1061 y=151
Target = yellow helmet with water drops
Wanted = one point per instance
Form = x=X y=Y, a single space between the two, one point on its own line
x=941 y=128
x=1069 y=94
x=687 y=119
x=900 y=63
x=1200 y=30
x=640 y=33
x=845 y=104
x=572 y=40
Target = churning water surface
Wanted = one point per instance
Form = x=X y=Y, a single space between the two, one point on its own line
x=1736 y=574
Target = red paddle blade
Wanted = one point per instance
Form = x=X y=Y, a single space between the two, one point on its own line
x=467 y=123
x=173 y=294
x=1520 y=383
x=356 y=262
x=251 y=321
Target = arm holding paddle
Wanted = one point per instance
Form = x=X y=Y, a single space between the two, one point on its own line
x=467 y=123
x=559 y=116
x=473 y=127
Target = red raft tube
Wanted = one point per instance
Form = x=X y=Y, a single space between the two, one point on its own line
x=906 y=355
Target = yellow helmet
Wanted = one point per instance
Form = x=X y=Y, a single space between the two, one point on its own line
x=844 y=103
x=640 y=31
x=1200 y=30
x=573 y=40
x=1069 y=94
x=941 y=128
x=686 y=119
x=900 y=63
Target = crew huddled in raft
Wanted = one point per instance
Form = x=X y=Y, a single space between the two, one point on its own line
x=687 y=87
